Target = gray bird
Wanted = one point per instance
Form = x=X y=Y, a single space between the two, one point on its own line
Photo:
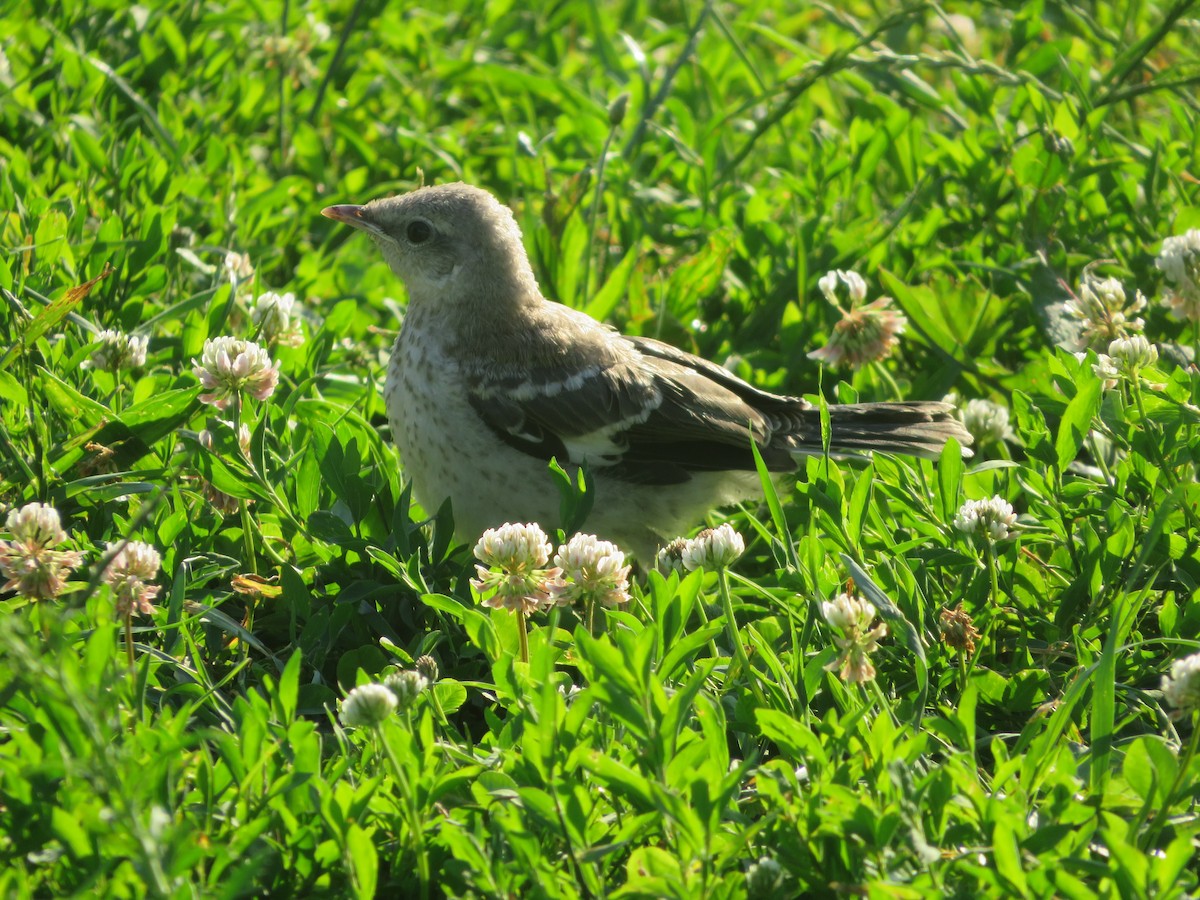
x=489 y=380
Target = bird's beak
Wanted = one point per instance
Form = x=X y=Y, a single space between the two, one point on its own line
x=353 y=216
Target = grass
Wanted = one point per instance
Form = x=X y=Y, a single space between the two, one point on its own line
x=970 y=161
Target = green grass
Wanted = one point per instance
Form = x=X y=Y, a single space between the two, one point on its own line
x=971 y=174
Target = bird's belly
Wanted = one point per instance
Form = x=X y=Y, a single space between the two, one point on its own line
x=449 y=453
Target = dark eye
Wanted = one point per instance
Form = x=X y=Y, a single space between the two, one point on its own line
x=418 y=232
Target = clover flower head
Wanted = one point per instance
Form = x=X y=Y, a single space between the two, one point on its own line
x=853 y=618
x=230 y=366
x=987 y=422
x=1181 y=688
x=670 y=557
x=1103 y=311
x=764 y=878
x=129 y=575
x=406 y=685
x=593 y=571
x=1179 y=261
x=992 y=518
x=118 y=351
x=276 y=318
x=713 y=548
x=428 y=668
x=514 y=569
x=958 y=631
x=368 y=705
x=1133 y=353
x=238 y=267
x=29 y=563
x=865 y=333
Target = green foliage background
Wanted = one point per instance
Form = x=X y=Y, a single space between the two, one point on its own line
x=968 y=159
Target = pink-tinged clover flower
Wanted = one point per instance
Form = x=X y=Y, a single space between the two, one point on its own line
x=230 y=366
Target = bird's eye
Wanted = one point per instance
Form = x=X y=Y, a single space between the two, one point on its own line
x=418 y=231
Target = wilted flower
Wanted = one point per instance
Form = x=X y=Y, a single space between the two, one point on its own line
x=991 y=518
x=1181 y=688
x=1103 y=312
x=670 y=558
x=864 y=333
x=853 y=617
x=523 y=582
x=290 y=52
x=1179 y=261
x=713 y=548
x=594 y=571
x=368 y=705
x=129 y=573
x=238 y=267
x=957 y=629
x=274 y=315
x=119 y=351
x=29 y=562
x=229 y=366
x=406 y=686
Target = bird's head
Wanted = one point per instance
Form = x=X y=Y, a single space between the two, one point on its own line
x=447 y=242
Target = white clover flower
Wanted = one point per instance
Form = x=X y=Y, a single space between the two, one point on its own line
x=129 y=574
x=274 y=315
x=238 y=267
x=670 y=557
x=1181 y=689
x=1133 y=353
x=846 y=612
x=520 y=554
x=853 y=617
x=1179 y=261
x=228 y=366
x=713 y=548
x=986 y=421
x=991 y=518
x=319 y=31
x=864 y=333
x=367 y=706
x=119 y=351
x=29 y=562
x=856 y=287
x=764 y=878
x=1103 y=312
x=407 y=686
x=36 y=522
x=1107 y=370
x=593 y=571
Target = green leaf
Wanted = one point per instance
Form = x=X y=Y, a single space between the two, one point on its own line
x=364 y=862
x=1077 y=420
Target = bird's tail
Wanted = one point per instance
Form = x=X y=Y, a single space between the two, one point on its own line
x=909 y=429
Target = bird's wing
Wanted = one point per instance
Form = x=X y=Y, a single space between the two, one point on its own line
x=641 y=410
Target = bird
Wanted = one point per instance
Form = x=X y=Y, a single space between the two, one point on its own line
x=489 y=380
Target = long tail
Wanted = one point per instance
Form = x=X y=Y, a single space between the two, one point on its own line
x=909 y=429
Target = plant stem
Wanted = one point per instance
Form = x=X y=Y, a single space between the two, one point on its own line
x=522 y=636
x=731 y=629
x=414 y=815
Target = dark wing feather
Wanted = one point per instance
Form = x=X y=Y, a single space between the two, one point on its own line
x=641 y=410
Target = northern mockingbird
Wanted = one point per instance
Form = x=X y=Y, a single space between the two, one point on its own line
x=488 y=380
